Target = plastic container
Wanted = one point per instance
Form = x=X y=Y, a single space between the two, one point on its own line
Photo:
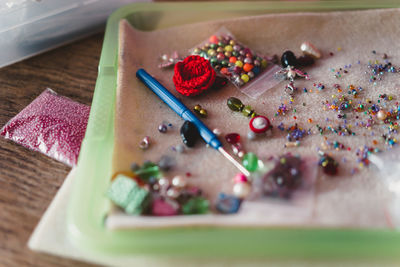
x=89 y=206
x=29 y=27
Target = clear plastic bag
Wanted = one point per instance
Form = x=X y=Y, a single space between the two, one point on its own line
x=51 y=124
x=251 y=73
x=285 y=190
x=388 y=170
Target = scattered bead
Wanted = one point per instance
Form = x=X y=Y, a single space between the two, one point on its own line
x=200 y=111
x=162 y=128
x=145 y=143
x=240 y=178
x=329 y=165
x=241 y=190
x=179 y=181
x=250 y=162
x=227 y=204
x=288 y=59
x=259 y=124
x=189 y=133
x=232 y=138
x=309 y=49
x=217 y=132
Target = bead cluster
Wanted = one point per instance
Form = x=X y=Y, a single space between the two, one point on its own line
x=145 y=190
x=232 y=59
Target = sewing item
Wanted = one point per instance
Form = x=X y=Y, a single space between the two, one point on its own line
x=329 y=164
x=285 y=176
x=259 y=124
x=309 y=49
x=227 y=204
x=235 y=104
x=189 y=133
x=193 y=75
x=145 y=143
x=208 y=136
x=200 y=111
x=169 y=61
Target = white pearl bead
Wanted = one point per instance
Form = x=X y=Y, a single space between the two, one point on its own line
x=173 y=193
x=241 y=190
x=381 y=115
x=179 y=181
x=309 y=49
x=217 y=132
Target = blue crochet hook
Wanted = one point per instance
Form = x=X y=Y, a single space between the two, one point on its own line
x=209 y=137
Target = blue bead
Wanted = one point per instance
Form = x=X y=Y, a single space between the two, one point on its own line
x=228 y=204
x=256 y=70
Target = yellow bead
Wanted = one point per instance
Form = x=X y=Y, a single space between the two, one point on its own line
x=245 y=78
x=264 y=63
x=228 y=48
x=239 y=63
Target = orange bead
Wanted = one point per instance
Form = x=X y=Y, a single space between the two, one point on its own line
x=224 y=71
x=247 y=67
x=213 y=39
x=232 y=59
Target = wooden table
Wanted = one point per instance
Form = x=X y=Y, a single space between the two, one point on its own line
x=29 y=180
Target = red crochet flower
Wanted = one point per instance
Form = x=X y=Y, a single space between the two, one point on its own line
x=193 y=75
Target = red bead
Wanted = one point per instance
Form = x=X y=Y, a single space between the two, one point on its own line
x=259 y=124
x=232 y=138
x=240 y=178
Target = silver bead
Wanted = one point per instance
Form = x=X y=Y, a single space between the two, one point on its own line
x=251 y=74
x=248 y=60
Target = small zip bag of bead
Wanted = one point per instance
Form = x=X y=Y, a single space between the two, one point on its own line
x=250 y=72
x=284 y=189
x=388 y=169
x=51 y=124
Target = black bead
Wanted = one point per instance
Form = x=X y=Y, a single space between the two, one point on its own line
x=305 y=61
x=189 y=133
x=288 y=59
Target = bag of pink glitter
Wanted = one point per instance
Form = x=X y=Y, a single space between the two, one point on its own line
x=52 y=124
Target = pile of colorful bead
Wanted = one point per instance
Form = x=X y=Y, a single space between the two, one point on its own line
x=231 y=59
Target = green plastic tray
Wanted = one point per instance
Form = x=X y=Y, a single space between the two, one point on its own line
x=88 y=206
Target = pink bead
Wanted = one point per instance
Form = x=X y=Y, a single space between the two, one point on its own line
x=163 y=208
x=240 y=178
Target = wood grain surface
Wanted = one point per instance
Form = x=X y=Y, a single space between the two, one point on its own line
x=30 y=180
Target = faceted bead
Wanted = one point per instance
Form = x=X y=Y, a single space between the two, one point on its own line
x=250 y=161
x=196 y=205
x=235 y=104
x=228 y=204
x=189 y=133
x=245 y=78
x=288 y=59
x=232 y=138
x=211 y=52
x=247 y=67
x=247 y=111
x=239 y=63
x=229 y=48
